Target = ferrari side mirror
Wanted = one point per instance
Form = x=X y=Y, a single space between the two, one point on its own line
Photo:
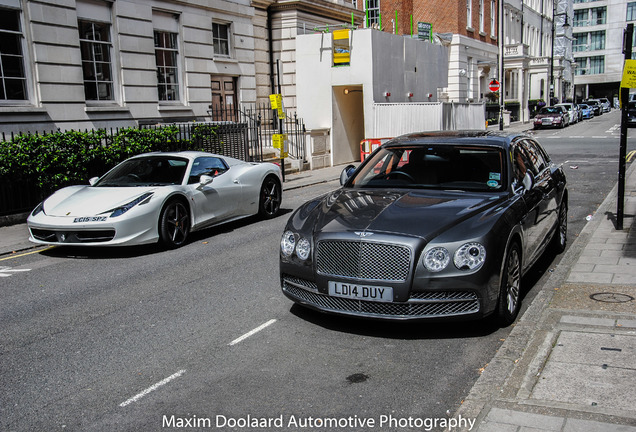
x=346 y=174
x=205 y=180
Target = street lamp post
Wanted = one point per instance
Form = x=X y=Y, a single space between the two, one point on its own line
x=564 y=27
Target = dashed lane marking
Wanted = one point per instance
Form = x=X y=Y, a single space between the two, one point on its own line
x=152 y=388
x=253 y=332
x=8 y=271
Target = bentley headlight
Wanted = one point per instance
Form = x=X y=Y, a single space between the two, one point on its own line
x=436 y=259
x=303 y=248
x=123 y=209
x=470 y=256
x=288 y=243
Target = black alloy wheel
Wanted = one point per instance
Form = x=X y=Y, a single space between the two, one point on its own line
x=270 y=199
x=174 y=224
x=510 y=289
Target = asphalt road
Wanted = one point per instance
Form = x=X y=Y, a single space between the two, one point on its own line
x=141 y=339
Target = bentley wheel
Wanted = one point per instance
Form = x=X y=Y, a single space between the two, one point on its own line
x=510 y=290
x=174 y=224
x=560 y=239
x=270 y=198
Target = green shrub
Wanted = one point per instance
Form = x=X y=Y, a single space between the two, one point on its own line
x=59 y=159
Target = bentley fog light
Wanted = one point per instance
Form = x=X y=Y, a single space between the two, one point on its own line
x=470 y=256
x=436 y=259
x=288 y=243
x=303 y=249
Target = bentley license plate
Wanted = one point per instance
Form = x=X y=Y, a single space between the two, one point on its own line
x=361 y=292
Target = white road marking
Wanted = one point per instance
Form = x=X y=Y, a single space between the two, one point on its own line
x=6 y=271
x=250 y=333
x=152 y=388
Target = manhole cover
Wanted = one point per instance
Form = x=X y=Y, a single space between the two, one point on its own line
x=611 y=297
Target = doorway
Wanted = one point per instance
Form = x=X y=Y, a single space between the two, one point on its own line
x=224 y=105
x=347 y=123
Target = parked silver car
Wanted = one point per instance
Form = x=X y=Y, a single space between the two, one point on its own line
x=572 y=111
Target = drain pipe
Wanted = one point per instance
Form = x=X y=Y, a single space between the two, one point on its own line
x=271 y=50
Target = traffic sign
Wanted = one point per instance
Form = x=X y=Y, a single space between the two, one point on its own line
x=494 y=86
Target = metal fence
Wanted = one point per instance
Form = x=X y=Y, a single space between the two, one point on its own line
x=261 y=123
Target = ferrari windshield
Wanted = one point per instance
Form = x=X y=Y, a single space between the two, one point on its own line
x=146 y=171
x=470 y=168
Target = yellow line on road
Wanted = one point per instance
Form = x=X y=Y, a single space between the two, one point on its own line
x=25 y=254
x=630 y=155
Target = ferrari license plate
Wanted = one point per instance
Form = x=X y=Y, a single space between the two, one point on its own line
x=361 y=292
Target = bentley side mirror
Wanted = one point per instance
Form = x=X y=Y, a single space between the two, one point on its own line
x=346 y=174
x=528 y=181
x=93 y=180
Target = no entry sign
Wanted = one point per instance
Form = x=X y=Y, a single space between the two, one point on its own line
x=493 y=86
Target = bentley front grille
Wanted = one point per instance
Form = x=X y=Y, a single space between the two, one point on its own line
x=363 y=260
x=421 y=305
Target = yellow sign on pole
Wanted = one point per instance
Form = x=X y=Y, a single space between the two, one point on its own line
x=629 y=77
x=278 y=141
x=276 y=100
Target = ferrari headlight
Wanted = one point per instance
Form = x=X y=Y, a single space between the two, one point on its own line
x=38 y=209
x=303 y=249
x=436 y=259
x=470 y=256
x=123 y=209
x=288 y=243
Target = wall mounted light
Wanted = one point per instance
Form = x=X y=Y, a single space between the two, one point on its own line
x=387 y=94
x=348 y=90
x=409 y=95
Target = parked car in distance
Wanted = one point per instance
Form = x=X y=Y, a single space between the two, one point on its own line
x=631 y=114
x=595 y=104
x=587 y=112
x=434 y=225
x=607 y=105
x=573 y=114
x=157 y=197
x=551 y=116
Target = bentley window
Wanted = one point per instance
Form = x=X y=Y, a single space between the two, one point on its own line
x=471 y=168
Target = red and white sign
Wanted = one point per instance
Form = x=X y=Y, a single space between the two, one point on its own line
x=494 y=86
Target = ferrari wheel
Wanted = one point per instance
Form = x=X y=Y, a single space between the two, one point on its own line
x=174 y=224
x=560 y=239
x=270 y=198
x=510 y=290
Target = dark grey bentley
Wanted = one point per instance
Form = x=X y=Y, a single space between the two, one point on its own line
x=431 y=225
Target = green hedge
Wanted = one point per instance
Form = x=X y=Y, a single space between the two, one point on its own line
x=59 y=159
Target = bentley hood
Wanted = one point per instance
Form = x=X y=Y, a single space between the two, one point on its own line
x=417 y=213
x=90 y=201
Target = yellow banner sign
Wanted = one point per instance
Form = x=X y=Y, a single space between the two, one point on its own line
x=629 y=74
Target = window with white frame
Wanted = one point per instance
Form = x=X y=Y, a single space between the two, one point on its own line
x=631 y=11
x=481 y=16
x=96 y=47
x=580 y=42
x=166 y=56
x=469 y=13
x=13 y=84
x=372 y=9
x=221 y=39
x=597 y=40
x=493 y=17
